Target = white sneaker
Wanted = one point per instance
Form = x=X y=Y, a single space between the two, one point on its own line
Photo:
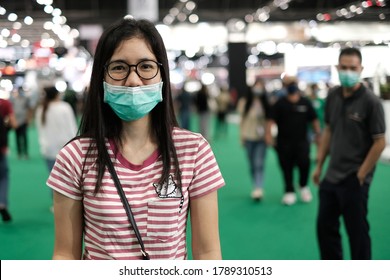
x=289 y=198
x=257 y=194
x=306 y=195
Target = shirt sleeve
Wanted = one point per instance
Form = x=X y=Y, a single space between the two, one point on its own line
x=65 y=176
x=377 y=119
x=207 y=175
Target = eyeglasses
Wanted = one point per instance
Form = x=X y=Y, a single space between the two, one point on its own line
x=120 y=70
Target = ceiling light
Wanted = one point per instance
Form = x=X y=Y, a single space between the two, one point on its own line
x=190 y=5
x=174 y=11
x=48 y=25
x=249 y=18
x=74 y=33
x=193 y=18
x=16 y=38
x=182 y=17
x=12 y=17
x=5 y=32
x=48 y=9
x=28 y=20
x=25 y=43
x=3 y=44
x=56 y=12
x=17 y=25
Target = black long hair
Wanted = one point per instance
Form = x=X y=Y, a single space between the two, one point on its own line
x=99 y=121
x=51 y=94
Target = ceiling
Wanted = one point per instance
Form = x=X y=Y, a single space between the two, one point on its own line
x=103 y=12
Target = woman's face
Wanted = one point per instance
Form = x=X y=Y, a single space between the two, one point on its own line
x=132 y=52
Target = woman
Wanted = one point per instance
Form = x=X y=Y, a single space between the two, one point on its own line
x=56 y=125
x=165 y=171
x=253 y=110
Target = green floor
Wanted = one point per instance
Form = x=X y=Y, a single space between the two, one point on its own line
x=266 y=230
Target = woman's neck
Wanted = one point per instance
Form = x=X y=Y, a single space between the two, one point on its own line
x=139 y=133
x=138 y=140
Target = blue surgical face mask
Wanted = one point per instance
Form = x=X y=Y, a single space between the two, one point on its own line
x=349 y=79
x=132 y=103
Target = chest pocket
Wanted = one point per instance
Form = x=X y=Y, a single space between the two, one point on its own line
x=163 y=218
x=356 y=119
x=164 y=211
x=355 y=126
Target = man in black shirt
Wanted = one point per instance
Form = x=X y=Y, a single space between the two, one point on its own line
x=354 y=139
x=292 y=114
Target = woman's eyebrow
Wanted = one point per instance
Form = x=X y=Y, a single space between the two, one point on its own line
x=137 y=61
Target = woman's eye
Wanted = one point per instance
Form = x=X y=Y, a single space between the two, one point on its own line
x=146 y=66
x=118 y=68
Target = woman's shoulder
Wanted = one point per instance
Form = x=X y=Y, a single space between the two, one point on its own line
x=179 y=132
x=78 y=145
x=188 y=143
x=181 y=135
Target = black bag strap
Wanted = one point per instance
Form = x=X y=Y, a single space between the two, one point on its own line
x=126 y=205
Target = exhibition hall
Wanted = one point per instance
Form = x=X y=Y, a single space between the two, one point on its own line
x=223 y=46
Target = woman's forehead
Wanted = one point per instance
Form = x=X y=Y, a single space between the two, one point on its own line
x=134 y=48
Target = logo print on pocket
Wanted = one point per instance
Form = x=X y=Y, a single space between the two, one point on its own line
x=169 y=190
x=355 y=117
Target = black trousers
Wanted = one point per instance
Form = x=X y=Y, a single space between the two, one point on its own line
x=22 y=140
x=291 y=155
x=347 y=199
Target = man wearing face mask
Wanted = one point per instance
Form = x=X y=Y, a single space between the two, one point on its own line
x=354 y=139
x=292 y=115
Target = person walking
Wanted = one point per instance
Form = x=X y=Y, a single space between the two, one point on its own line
x=353 y=138
x=23 y=112
x=253 y=110
x=203 y=110
x=292 y=115
x=7 y=121
x=184 y=101
x=56 y=125
x=131 y=151
x=223 y=102
x=319 y=106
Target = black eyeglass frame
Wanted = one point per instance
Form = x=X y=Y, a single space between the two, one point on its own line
x=132 y=65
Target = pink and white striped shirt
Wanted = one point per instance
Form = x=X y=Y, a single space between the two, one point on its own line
x=159 y=211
